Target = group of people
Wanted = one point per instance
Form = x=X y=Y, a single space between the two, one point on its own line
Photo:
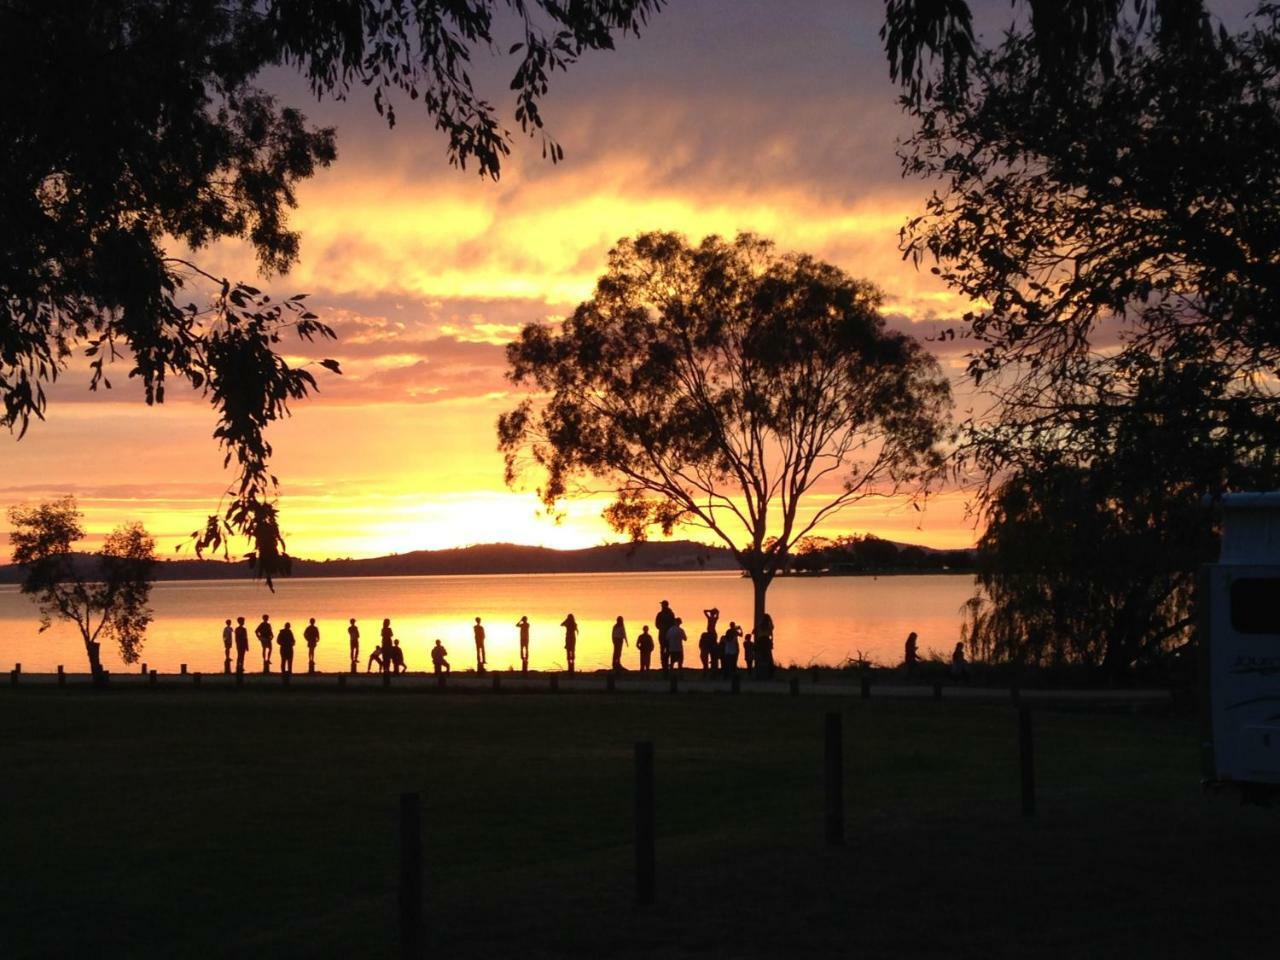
x=718 y=651
x=912 y=661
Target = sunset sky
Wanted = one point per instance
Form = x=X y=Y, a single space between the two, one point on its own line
x=726 y=115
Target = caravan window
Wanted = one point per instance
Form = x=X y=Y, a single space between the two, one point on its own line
x=1255 y=605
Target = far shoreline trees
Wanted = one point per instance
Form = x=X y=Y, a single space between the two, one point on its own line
x=106 y=594
x=722 y=386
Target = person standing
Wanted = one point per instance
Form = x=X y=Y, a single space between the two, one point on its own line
x=570 y=640
x=242 y=643
x=385 y=663
x=959 y=669
x=675 y=645
x=911 y=654
x=713 y=649
x=662 y=622
x=644 y=645
x=619 y=640
x=764 y=647
x=228 y=636
x=312 y=636
x=749 y=655
x=523 y=626
x=285 y=642
x=478 y=630
x=353 y=634
x=729 y=650
x=264 y=632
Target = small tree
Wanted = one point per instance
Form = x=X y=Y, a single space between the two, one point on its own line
x=104 y=595
x=720 y=386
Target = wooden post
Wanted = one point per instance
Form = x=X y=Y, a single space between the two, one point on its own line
x=834 y=767
x=13 y=676
x=644 y=823
x=144 y=669
x=937 y=689
x=151 y=678
x=412 y=928
x=865 y=687
x=1026 y=761
x=17 y=668
x=195 y=679
x=183 y=669
x=795 y=686
x=62 y=677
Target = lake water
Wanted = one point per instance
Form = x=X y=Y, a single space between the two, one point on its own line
x=818 y=620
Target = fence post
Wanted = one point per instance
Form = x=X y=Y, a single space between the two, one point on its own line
x=151 y=678
x=1026 y=759
x=195 y=679
x=183 y=669
x=644 y=823
x=834 y=766
x=13 y=677
x=62 y=677
x=411 y=920
x=144 y=669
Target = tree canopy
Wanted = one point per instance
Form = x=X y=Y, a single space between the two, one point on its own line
x=724 y=385
x=106 y=595
x=134 y=128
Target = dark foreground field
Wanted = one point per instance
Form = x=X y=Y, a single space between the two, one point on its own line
x=188 y=824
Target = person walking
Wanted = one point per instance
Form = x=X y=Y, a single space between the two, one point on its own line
x=644 y=646
x=264 y=632
x=312 y=635
x=478 y=630
x=353 y=636
x=285 y=641
x=242 y=643
x=385 y=662
x=619 y=641
x=570 y=640
x=438 y=662
x=228 y=637
x=523 y=626
x=662 y=622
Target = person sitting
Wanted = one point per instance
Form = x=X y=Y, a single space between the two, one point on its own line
x=397 y=657
x=959 y=668
x=375 y=657
x=438 y=661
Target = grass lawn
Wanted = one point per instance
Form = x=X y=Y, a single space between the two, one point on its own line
x=193 y=824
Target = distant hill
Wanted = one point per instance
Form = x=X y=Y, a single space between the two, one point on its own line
x=489 y=558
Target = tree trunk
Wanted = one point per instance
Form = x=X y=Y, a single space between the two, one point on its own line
x=94 y=650
x=760 y=581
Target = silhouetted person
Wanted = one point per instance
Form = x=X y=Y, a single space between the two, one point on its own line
x=959 y=668
x=675 y=645
x=285 y=641
x=912 y=654
x=523 y=626
x=265 y=633
x=353 y=634
x=312 y=636
x=705 y=642
x=478 y=630
x=619 y=641
x=228 y=637
x=386 y=646
x=644 y=644
x=438 y=661
x=570 y=640
x=376 y=657
x=242 y=643
x=397 y=657
x=749 y=654
x=764 y=647
x=662 y=622
x=729 y=650
x=713 y=650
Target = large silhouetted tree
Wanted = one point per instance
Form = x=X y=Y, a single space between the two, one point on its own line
x=106 y=595
x=132 y=129
x=729 y=386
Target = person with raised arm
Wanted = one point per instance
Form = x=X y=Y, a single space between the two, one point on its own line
x=523 y=626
